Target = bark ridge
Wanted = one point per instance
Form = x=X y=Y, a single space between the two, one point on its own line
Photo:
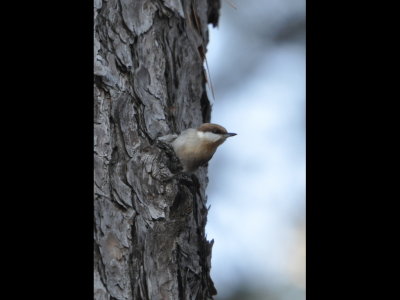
x=149 y=225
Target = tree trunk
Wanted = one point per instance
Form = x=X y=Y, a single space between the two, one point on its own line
x=149 y=226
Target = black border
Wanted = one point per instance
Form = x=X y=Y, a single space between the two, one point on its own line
x=49 y=106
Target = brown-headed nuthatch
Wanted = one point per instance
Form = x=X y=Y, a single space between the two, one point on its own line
x=196 y=146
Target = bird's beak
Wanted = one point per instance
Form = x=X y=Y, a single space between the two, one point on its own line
x=230 y=134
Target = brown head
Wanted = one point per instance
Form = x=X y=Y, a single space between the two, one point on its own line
x=213 y=134
x=215 y=128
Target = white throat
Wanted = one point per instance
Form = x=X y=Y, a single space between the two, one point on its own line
x=208 y=136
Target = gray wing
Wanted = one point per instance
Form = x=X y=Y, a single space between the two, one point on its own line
x=169 y=138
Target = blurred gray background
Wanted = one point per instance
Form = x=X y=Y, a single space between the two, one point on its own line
x=256 y=59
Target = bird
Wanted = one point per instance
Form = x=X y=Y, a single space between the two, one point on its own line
x=196 y=146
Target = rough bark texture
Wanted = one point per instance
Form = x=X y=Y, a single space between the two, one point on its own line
x=149 y=227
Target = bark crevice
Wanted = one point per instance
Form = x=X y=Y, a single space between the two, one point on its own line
x=149 y=81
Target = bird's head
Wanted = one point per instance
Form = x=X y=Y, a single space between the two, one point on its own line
x=213 y=133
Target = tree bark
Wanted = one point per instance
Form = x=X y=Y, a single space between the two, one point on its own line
x=149 y=226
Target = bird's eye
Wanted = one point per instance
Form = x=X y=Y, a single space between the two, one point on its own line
x=215 y=131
